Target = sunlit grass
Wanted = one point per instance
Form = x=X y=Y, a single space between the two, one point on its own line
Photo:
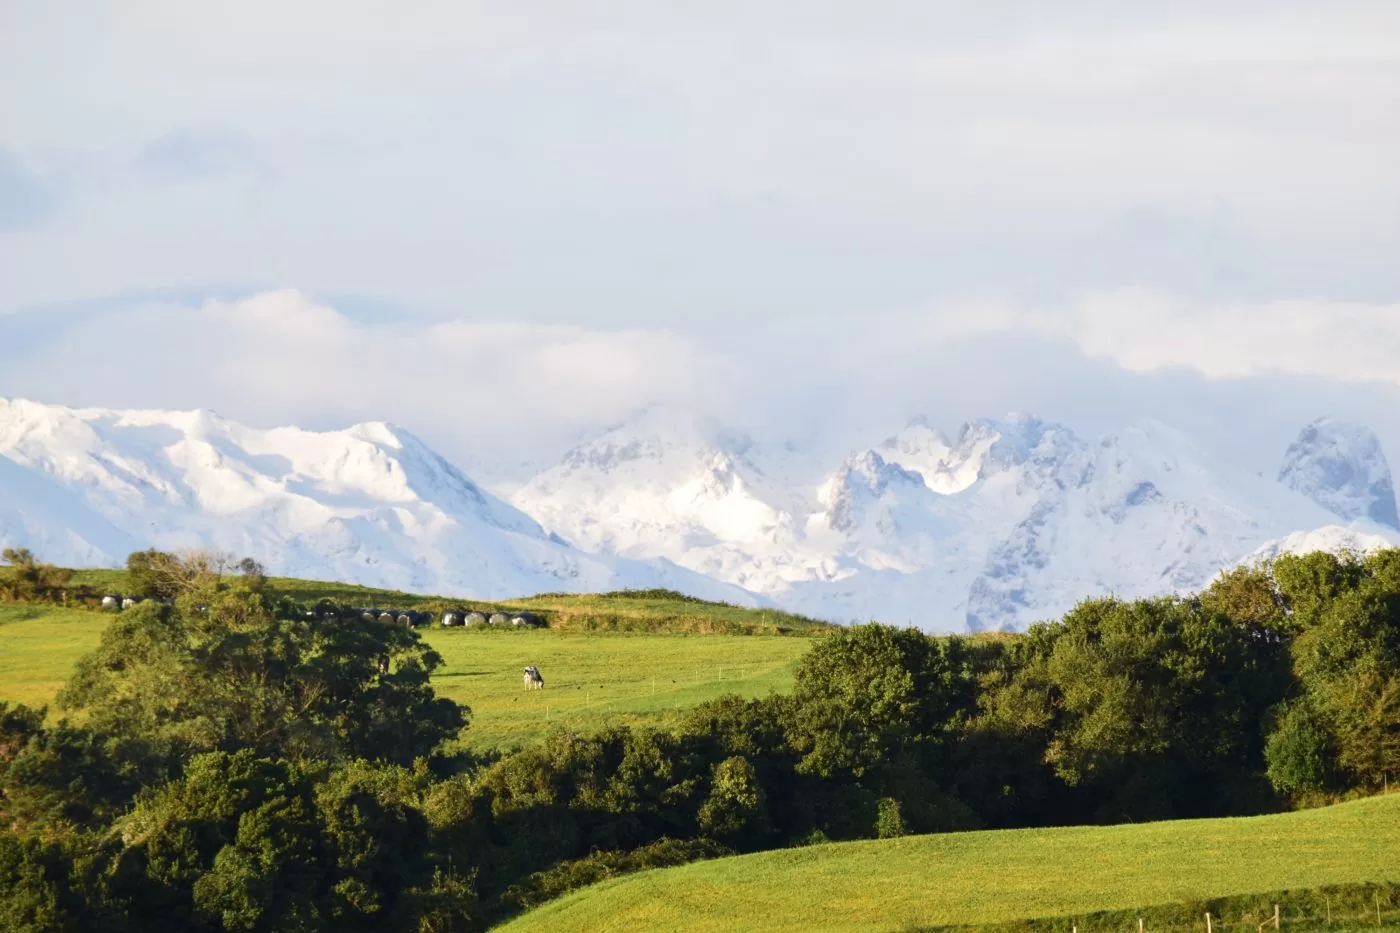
x=993 y=877
x=591 y=679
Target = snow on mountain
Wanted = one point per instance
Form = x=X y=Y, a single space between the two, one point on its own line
x=370 y=504
x=1341 y=467
x=1333 y=538
x=1006 y=522
x=1010 y=521
x=675 y=484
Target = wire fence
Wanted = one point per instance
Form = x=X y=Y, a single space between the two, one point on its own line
x=1336 y=909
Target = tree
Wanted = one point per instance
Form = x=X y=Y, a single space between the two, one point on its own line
x=735 y=811
x=1348 y=663
x=158 y=574
x=257 y=844
x=1155 y=707
x=1309 y=582
x=867 y=694
x=1247 y=596
x=27 y=579
x=1298 y=751
x=220 y=672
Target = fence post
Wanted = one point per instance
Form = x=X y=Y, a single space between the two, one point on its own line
x=1378 y=911
x=1139 y=925
x=1276 y=922
x=1209 y=927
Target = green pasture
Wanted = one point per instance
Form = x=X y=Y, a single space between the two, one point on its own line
x=598 y=679
x=989 y=878
x=592 y=679
x=39 y=646
x=636 y=611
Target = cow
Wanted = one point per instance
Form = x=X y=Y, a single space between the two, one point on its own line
x=533 y=679
x=129 y=602
x=111 y=602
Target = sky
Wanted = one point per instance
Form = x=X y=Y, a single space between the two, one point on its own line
x=501 y=224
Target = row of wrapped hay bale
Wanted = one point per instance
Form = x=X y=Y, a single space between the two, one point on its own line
x=471 y=617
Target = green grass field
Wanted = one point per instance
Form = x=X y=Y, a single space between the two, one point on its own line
x=994 y=877
x=592 y=678
x=633 y=611
x=596 y=679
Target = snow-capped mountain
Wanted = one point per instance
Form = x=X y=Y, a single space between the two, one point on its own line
x=370 y=504
x=999 y=524
x=1341 y=467
x=676 y=484
x=1011 y=521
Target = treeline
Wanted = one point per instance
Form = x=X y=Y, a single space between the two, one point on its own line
x=23 y=578
x=226 y=769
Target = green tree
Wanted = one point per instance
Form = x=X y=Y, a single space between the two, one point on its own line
x=219 y=671
x=1155 y=707
x=735 y=810
x=25 y=578
x=870 y=693
x=1298 y=751
x=1348 y=662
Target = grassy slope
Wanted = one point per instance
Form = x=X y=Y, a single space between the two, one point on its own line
x=591 y=679
x=992 y=877
x=563 y=611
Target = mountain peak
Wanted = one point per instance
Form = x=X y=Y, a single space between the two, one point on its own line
x=370 y=504
x=1341 y=466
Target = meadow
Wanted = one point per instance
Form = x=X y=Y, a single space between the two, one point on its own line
x=986 y=879
x=593 y=679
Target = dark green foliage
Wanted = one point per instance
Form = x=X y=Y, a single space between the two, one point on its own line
x=236 y=765
x=247 y=843
x=1151 y=709
x=1298 y=751
x=570 y=876
x=220 y=671
x=735 y=810
x=26 y=579
x=671 y=596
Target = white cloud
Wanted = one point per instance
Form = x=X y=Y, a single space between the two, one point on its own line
x=494 y=394
x=280 y=356
x=1142 y=330
x=676 y=166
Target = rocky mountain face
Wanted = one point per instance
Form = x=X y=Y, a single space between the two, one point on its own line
x=371 y=504
x=1341 y=467
x=1007 y=522
x=998 y=525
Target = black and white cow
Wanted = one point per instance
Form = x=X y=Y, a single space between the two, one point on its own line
x=533 y=678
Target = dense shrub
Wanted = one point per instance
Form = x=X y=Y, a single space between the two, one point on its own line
x=229 y=767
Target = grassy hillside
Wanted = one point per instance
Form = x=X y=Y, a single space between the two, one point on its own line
x=990 y=878
x=592 y=678
x=650 y=610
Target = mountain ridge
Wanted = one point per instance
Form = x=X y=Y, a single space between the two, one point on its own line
x=998 y=524
x=368 y=504
x=1001 y=523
